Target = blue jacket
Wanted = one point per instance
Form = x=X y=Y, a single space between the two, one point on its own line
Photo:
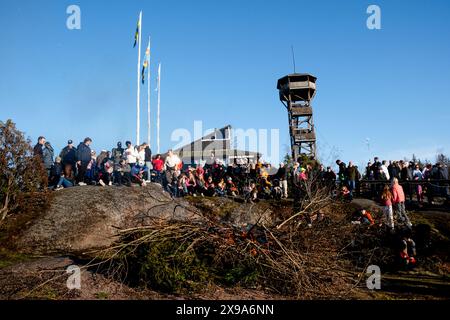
x=83 y=153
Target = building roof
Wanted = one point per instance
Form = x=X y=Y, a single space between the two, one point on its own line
x=295 y=77
x=210 y=143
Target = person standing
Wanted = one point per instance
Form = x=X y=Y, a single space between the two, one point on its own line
x=375 y=168
x=418 y=176
x=84 y=157
x=47 y=157
x=68 y=155
x=427 y=176
x=398 y=201
x=282 y=176
x=442 y=175
x=386 y=201
x=384 y=167
x=131 y=154
x=158 y=166
x=406 y=176
x=38 y=148
x=330 y=179
x=117 y=153
x=351 y=173
x=148 y=158
x=342 y=172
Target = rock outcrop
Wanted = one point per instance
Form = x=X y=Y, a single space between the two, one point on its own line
x=87 y=218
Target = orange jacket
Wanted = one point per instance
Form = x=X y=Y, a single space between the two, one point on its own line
x=369 y=217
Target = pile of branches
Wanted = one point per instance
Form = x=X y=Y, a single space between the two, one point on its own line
x=174 y=255
x=323 y=258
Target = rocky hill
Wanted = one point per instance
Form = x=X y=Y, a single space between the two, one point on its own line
x=87 y=218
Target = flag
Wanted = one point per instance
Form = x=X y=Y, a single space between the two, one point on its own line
x=146 y=63
x=136 y=34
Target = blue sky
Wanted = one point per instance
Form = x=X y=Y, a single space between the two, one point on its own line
x=220 y=63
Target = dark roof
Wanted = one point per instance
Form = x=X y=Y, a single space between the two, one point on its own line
x=295 y=75
x=204 y=144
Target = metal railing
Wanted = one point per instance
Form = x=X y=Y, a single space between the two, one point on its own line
x=431 y=187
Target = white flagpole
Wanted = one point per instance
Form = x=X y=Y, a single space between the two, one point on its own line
x=159 y=104
x=148 y=98
x=138 y=82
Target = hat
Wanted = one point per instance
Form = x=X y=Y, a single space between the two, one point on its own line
x=69 y=142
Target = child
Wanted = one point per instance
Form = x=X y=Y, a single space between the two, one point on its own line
x=191 y=184
x=220 y=189
x=210 y=187
x=364 y=217
x=277 y=191
x=231 y=187
x=201 y=185
x=418 y=176
x=266 y=188
x=250 y=192
x=408 y=251
x=398 y=201
x=182 y=189
x=302 y=175
x=386 y=200
x=345 y=193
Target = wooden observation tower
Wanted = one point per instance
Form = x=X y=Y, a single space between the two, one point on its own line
x=296 y=92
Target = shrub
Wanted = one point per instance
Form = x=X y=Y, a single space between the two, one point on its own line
x=23 y=179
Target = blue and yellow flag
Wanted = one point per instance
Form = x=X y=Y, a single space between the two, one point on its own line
x=146 y=63
x=136 y=34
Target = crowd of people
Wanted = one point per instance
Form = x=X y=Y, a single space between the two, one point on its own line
x=251 y=179
x=414 y=177
x=79 y=166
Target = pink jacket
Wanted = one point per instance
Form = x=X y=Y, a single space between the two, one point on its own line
x=397 y=192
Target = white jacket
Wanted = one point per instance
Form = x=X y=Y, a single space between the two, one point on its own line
x=141 y=155
x=131 y=154
x=386 y=172
x=172 y=161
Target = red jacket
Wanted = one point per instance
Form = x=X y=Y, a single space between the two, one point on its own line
x=157 y=164
x=398 y=194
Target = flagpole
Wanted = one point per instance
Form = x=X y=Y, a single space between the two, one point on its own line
x=138 y=79
x=148 y=99
x=159 y=104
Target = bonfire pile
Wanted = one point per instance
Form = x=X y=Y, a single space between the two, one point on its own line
x=294 y=260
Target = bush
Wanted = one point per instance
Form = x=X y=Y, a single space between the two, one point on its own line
x=23 y=179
